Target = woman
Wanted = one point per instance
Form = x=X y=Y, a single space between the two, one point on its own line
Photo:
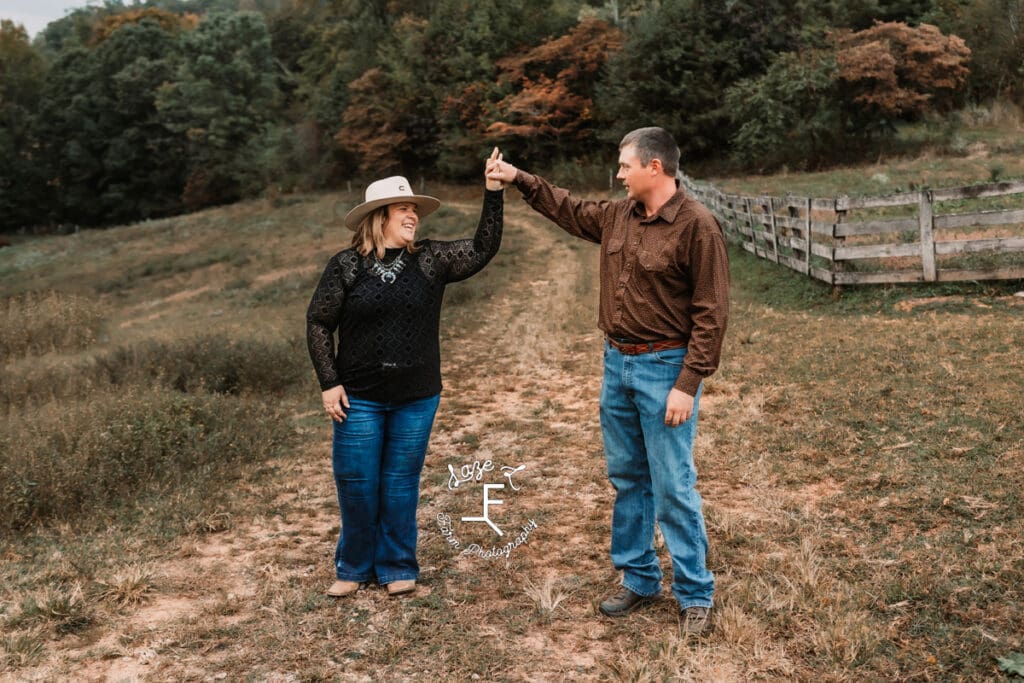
x=382 y=385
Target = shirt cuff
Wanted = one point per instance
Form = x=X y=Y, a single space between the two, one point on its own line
x=525 y=182
x=688 y=381
x=324 y=386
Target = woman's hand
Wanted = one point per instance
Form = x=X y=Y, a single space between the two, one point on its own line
x=499 y=171
x=491 y=183
x=334 y=398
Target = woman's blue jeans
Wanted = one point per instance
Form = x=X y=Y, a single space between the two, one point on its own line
x=651 y=467
x=378 y=456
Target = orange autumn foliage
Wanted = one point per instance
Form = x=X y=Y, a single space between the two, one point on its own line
x=371 y=125
x=553 y=84
x=897 y=70
x=169 y=21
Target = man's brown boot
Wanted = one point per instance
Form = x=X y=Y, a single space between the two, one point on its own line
x=624 y=602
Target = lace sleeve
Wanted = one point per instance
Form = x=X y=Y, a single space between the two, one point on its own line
x=322 y=318
x=460 y=259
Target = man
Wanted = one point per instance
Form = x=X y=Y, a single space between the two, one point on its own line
x=663 y=308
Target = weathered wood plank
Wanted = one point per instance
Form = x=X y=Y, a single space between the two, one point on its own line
x=822 y=250
x=900 y=199
x=963 y=220
x=855 y=278
x=792 y=242
x=875 y=251
x=794 y=222
x=1001 y=244
x=822 y=228
x=790 y=262
x=876 y=227
x=979 y=191
x=1008 y=273
x=823 y=275
x=792 y=201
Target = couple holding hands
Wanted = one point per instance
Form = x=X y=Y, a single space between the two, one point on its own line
x=663 y=309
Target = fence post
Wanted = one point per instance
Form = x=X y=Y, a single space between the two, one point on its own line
x=775 y=229
x=838 y=242
x=807 y=235
x=749 y=211
x=925 y=218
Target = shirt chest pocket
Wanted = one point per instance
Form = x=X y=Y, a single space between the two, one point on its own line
x=658 y=257
x=614 y=245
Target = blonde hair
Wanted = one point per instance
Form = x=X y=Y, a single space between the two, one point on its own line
x=369 y=237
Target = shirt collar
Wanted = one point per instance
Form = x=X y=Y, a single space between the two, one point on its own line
x=668 y=211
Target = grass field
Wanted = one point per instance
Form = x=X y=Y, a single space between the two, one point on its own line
x=168 y=509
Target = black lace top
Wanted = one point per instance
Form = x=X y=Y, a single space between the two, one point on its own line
x=387 y=314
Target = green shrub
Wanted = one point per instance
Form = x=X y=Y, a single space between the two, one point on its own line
x=792 y=114
x=41 y=322
x=69 y=459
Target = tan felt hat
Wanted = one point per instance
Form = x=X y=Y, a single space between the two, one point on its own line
x=389 y=191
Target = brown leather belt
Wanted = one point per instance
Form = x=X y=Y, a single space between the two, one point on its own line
x=636 y=348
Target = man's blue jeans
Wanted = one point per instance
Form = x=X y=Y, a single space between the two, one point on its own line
x=378 y=456
x=651 y=467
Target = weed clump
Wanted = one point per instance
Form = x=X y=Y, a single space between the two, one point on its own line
x=66 y=460
x=212 y=363
x=42 y=322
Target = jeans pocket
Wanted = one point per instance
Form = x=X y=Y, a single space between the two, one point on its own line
x=673 y=357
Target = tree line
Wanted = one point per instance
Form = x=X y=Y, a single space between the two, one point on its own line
x=125 y=112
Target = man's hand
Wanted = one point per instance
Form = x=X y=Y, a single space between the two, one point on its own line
x=334 y=398
x=678 y=408
x=499 y=170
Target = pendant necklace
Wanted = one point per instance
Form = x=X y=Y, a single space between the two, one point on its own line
x=389 y=273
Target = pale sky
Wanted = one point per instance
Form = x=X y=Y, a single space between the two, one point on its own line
x=34 y=15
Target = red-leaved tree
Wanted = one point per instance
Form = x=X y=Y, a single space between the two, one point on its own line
x=898 y=71
x=551 y=103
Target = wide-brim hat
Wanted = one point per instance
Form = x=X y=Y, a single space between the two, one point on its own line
x=389 y=191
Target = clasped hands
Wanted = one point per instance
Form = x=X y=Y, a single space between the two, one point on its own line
x=498 y=172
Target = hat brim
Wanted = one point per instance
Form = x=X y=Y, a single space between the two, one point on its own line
x=426 y=205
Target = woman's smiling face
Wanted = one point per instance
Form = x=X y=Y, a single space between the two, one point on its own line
x=400 y=226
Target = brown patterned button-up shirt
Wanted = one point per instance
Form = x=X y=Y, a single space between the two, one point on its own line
x=663 y=277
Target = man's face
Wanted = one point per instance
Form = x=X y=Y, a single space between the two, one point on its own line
x=636 y=178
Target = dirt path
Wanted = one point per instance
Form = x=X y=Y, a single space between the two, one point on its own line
x=521 y=392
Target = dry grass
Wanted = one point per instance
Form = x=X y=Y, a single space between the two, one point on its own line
x=859 y=459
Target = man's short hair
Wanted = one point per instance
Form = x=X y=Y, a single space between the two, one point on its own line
x=654 y=143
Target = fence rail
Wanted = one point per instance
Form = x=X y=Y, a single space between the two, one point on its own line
x=923 y=236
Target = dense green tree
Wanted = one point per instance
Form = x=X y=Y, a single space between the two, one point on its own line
x=861 y=14
x=994 y=31
x=680 y=58
x=344 y=39
x=792 y=114
x=106 y=148
x=24 y=194
x=221 y=101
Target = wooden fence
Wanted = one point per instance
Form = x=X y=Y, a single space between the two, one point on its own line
x=924 y=236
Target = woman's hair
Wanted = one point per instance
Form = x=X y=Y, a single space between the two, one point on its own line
x=369 y=237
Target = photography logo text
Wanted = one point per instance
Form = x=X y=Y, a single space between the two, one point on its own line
x=490 y=487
